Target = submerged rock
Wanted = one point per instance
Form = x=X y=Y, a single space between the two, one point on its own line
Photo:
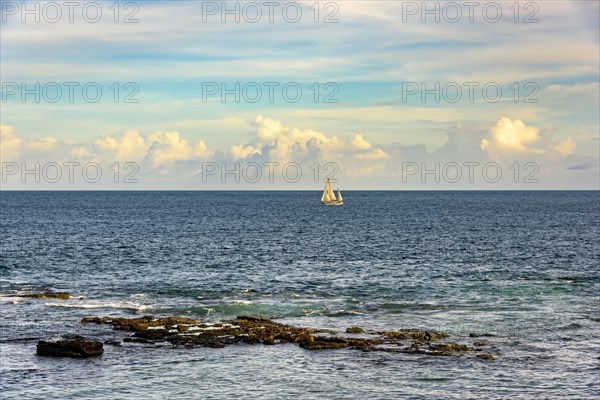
x=486 y=356
x=449 y=347
x=47 y=295
x=474 y=334
x=446 y=349
x=76 y=347
x=311 y=342
x=355 y=329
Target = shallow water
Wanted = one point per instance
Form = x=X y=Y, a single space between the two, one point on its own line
x=520 y=265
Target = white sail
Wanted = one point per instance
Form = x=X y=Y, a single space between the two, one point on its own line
x=326 y=196
x=339 y=196
x=330 y=193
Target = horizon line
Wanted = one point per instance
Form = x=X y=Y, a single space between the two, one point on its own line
x=298 y=190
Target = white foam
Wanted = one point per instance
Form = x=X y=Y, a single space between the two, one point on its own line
x=210 y=328
x=14 y=300
x=91 y=304
x=193 y=328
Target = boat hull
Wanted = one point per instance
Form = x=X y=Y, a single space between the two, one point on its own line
x=332 y=203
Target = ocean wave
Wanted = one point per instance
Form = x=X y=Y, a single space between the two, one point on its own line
x=93 y=304
x=12 y=299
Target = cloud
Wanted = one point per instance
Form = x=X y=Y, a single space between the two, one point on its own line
x=360 y=143
x=565 y=147
x=170 y=155
x=511 y=135
x=375 y=154
x=583 y=166
x=13 y=147
x=168 y=147
x=243 y=151
x=160 y=148
x=9 y=144
x=277 y=142
x=131 y=146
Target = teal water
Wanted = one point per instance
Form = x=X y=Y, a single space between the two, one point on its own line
x=523 y=266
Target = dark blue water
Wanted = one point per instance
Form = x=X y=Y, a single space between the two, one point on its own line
x=523 y=266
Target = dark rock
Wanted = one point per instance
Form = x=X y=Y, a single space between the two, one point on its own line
x=355 y=329
x=48 y=295
x=204 y=339
x=366 y=349
x=152 y=334
x=310 y=342
x=137 y=340
x=77 y=347
x=414 y=348
x=363 y=342
x=215 y=345
x=270 y=340
x=139 y=324
x=486 y=356
x=252 y=318
x=414 y=334
x=481 y=335
x=449 y=347
x=96 y=320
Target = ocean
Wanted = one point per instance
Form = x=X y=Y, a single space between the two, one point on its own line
x=522 y=266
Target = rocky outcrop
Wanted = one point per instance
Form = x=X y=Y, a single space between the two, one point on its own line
x=139 y=324
x=47 y=295
x=75 y=347
x=187 y=332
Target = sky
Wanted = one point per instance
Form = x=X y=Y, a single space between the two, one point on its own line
x=238 y=95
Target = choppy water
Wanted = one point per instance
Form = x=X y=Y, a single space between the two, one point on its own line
x=520 y=265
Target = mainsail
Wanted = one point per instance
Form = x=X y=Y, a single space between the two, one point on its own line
x=330 y=193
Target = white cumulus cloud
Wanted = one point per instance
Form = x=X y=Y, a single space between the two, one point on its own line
x=512 y=135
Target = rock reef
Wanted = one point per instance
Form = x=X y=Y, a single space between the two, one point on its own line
x=74 y=347
x=47 y=295
x=187 y=332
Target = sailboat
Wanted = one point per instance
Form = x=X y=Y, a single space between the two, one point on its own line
x=329 y=198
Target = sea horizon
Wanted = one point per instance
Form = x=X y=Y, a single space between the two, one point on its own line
x=300 y=190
